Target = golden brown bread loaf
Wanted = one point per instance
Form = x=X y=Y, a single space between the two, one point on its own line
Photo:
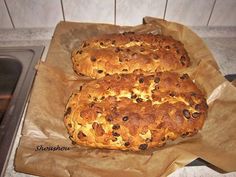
x=135 y=111
x=124 y=53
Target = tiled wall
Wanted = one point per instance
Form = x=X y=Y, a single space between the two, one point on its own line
x=47 y=13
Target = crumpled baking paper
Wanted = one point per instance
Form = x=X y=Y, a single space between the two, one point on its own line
x=46 y=150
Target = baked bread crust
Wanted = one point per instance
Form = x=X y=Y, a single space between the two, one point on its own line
x=135 y=111
x=124 y=53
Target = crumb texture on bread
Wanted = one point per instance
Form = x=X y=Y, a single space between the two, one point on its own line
x=135 y=111
x=124 y=53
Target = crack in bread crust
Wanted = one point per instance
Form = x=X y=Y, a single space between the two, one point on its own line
x=124 y=53
x=135 y=111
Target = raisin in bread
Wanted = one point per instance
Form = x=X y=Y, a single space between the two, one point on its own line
x=124 y=53
x=135 y=111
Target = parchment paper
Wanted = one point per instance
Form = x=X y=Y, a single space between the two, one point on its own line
x=55 y=81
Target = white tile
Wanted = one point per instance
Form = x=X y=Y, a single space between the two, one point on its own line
x=5 y=21
x=131 y=12
x=35 y=13
x=224 y=13
x=98 y=11
x=189 y=12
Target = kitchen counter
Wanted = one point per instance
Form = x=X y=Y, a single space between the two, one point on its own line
x=26 y=37
x=220 y=40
